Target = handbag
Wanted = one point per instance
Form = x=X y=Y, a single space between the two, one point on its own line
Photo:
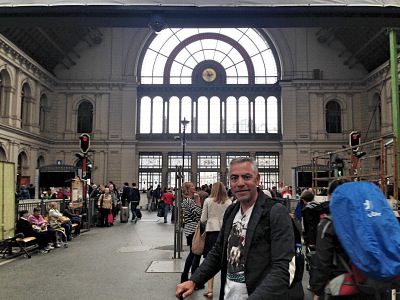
x=64 y=219
x=199 y=240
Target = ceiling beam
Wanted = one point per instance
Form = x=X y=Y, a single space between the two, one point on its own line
x=141 y=16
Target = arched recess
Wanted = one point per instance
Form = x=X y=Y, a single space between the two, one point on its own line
x=5 y=95
x=3 y=155
x=375 y=115
x=43 y=113
x=40 y=162
x=22 y=166
x=85 y=111
x=333 y=117
x=26 y=99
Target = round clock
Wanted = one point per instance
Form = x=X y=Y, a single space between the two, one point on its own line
x=209 y=75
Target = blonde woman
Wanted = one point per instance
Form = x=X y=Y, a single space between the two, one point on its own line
x=212 y=217
x=191 y=207
x=105 y=205
x=54 y=220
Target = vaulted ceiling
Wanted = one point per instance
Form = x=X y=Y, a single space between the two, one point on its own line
x=50 y=46
x=50 y=35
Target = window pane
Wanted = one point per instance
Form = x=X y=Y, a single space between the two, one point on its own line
x=208 y=161
x=272 y=115
x=157 y=115
x=85 y=117
x=215 y=117
x=333 y=117
x=231 y=115
x=202 y=123
x=174 y=121
x=150 y=161
x=260 y=115
x=145 y=113
x=243 y=115
x=187 y=112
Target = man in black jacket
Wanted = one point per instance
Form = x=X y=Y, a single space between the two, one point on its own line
x=255 y=246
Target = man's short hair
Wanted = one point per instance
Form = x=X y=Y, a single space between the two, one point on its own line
x=307 y=196
x=239 y=160
x=334 y=184
x=36 y=209
x=133 y=183
x=22 y=212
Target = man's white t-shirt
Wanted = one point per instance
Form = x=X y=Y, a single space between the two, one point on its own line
x=235 y=286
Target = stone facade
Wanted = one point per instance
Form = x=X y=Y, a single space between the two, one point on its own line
x=106 y=76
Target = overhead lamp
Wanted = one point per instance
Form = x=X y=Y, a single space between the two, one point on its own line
x=157 y=23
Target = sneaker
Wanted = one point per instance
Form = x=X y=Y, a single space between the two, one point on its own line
x=57 y=245
x=43 y=251
x=135 y=220
x=49 y=247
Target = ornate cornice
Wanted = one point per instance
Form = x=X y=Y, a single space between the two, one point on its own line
x=326 y=86
x=90 y=86
x=22 y=61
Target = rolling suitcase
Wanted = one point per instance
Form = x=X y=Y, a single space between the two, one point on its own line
x=124 y=214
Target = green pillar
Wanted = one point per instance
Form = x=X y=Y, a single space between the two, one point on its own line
x=395 y=92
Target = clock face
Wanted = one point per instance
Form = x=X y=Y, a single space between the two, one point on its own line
x=209 y=75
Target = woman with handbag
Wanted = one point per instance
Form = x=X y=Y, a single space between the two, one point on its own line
x=212 y=217
x=57 y=220
x=191 y=207
x=105 y=206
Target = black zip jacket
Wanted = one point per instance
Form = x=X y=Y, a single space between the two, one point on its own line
x=268 y=249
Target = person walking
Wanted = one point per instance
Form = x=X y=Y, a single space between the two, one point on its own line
x=212 y=215
x=191 y=207
x=134 y=198
x=255 y=247
x=168 y=199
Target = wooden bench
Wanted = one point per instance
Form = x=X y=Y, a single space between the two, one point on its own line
x=25 y=245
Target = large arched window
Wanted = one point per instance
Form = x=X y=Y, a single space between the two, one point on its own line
x=224 y=81
x=211 y=77
x=333 y=117
x=85 y=117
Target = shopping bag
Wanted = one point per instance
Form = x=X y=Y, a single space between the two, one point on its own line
x=110 y=218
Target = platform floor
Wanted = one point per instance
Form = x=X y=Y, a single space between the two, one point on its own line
x=126 y=261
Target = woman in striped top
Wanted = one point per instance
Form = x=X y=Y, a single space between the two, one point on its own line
x=191 y=207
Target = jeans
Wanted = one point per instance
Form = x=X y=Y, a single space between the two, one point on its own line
x=133 y=209
x=166 y=209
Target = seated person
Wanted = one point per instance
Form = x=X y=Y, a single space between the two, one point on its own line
x=54 y=218
x=70 y=213
x=43 y=237
x=37 y=219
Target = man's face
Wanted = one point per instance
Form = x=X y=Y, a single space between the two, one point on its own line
x=244 y=181
x=36 y=213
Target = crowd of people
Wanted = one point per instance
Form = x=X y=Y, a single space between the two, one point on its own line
x=251 y=238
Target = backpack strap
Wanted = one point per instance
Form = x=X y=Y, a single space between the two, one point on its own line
x=326 y=226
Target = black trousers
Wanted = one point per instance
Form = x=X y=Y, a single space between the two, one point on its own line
x=104 y=216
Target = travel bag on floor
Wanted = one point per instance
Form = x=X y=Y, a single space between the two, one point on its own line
x=124 y=214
